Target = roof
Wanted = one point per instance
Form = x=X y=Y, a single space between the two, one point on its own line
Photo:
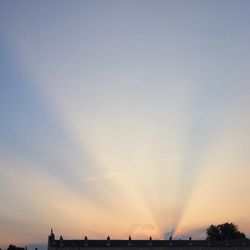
x=147 y=243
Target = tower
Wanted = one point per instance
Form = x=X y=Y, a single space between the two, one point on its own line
x=51 y=239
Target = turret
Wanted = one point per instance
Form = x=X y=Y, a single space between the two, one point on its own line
x=51 y=239
x=85 y=241
x=150 y=241
x=61 y=241
x=129 y=241
x=108 y=241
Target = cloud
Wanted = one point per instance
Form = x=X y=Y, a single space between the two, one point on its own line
x=144 y=231
x=195 y=233
x=109 y=176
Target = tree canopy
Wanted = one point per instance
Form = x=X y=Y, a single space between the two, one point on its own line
x=225 y=231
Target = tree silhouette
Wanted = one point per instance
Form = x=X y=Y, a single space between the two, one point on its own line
x=225 y=231
x=11 y=247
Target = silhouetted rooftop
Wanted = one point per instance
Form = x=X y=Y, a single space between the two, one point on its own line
x=147 y=243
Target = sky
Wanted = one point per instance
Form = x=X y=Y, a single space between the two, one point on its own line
x=123 y=117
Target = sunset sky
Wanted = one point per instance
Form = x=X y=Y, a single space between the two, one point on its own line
x=123 y=117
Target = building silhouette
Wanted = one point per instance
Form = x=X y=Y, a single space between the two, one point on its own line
x=150 y=244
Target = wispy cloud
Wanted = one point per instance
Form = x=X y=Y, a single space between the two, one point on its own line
x=109 y=176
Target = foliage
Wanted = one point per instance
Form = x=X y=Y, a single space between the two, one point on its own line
x=225 y=231
x=11 y=247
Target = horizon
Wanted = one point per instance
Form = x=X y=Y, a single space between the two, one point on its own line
x=183 y=238
x=123 y=118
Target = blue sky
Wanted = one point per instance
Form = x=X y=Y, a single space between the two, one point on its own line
x=142 y=100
